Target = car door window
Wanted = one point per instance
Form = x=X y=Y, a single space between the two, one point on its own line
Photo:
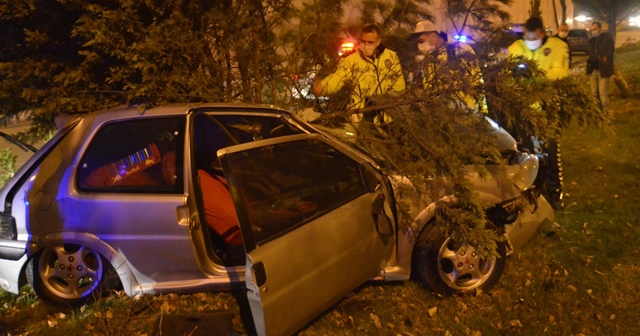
x=285 y=185
x=135 y=156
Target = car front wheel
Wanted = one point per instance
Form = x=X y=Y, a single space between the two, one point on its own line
x=68 y=274
x=449 y=267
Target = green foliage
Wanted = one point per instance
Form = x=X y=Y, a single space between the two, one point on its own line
x=534 y=9
x=7 y=165
x=484 y=17
x=103 y=53
x=527 y=104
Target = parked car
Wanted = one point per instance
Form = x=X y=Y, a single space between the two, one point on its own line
x=117 y=195
x=578 y=41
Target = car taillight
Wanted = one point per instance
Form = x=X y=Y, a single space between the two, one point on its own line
x=7 y=227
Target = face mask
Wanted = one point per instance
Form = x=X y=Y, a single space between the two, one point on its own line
x=595 y=33
x=425 y=48
x=563 y=34
x=533 y=45
x=368 y=50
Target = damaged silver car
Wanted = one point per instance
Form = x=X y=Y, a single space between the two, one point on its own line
x=220 y=196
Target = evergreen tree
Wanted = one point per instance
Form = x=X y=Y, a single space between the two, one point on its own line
x=76 y=56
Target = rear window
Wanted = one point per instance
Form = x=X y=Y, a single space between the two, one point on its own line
x=578 y=33
x=135 y=156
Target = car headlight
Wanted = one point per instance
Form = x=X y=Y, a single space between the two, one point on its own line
x=510 y=157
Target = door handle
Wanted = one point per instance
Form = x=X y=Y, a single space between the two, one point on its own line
x=380 y=217
x=259 y=274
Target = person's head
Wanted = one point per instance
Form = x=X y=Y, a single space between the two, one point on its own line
x=427 y=37
x=563 y=30
x=370 y=38
x=595 y=29
x=533 y=33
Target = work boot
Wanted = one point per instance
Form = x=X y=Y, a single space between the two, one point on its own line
x=555 y=199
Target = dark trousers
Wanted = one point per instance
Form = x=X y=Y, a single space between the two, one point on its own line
x=553 y=180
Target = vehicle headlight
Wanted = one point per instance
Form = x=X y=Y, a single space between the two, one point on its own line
x=525 y=178
x=510 y=157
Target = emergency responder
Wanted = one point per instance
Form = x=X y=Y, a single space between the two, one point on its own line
x=372 y=70
x=552 y=56
x=563 y=33
x=433 y=51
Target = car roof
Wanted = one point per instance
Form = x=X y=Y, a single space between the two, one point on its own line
x=135 y=111
x=579 y=31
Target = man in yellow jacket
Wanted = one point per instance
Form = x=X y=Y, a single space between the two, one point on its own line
x=372 y=70
x=552 y=56
x=551 y=53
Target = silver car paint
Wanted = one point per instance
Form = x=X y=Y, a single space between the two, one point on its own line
x=49 y=221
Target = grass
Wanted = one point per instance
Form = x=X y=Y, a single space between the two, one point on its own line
x=578 y=277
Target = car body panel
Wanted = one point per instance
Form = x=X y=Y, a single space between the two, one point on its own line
x=316 y=261
x=317 y=215
x=578 y=40
x=533 y=218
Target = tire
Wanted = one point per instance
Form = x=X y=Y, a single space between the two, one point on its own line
x=68 y=274
x=448 y=268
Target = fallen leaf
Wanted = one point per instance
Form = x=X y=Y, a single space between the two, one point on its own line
x=612 y=316
x=552 y=319
x=572 y=288
x=515 y=324
x=527 y=283
x=376 y=320
x=433 y=311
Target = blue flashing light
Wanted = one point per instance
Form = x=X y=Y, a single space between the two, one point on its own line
x=521 y=66
x=461 y=38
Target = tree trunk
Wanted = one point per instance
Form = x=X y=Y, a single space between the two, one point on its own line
x=563 y=6
x=555 y=14
x=611 y=20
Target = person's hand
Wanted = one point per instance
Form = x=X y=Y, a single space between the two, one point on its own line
x=317 y=86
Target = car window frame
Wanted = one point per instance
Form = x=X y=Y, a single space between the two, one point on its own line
x=177 y=188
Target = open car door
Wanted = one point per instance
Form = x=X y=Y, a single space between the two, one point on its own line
x=315 y=226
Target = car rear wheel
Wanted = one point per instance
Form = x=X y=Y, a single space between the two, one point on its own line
x=449 y=267
x=69 y=274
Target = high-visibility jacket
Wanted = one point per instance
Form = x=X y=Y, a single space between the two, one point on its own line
x=552 y=56
x=381 y=74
